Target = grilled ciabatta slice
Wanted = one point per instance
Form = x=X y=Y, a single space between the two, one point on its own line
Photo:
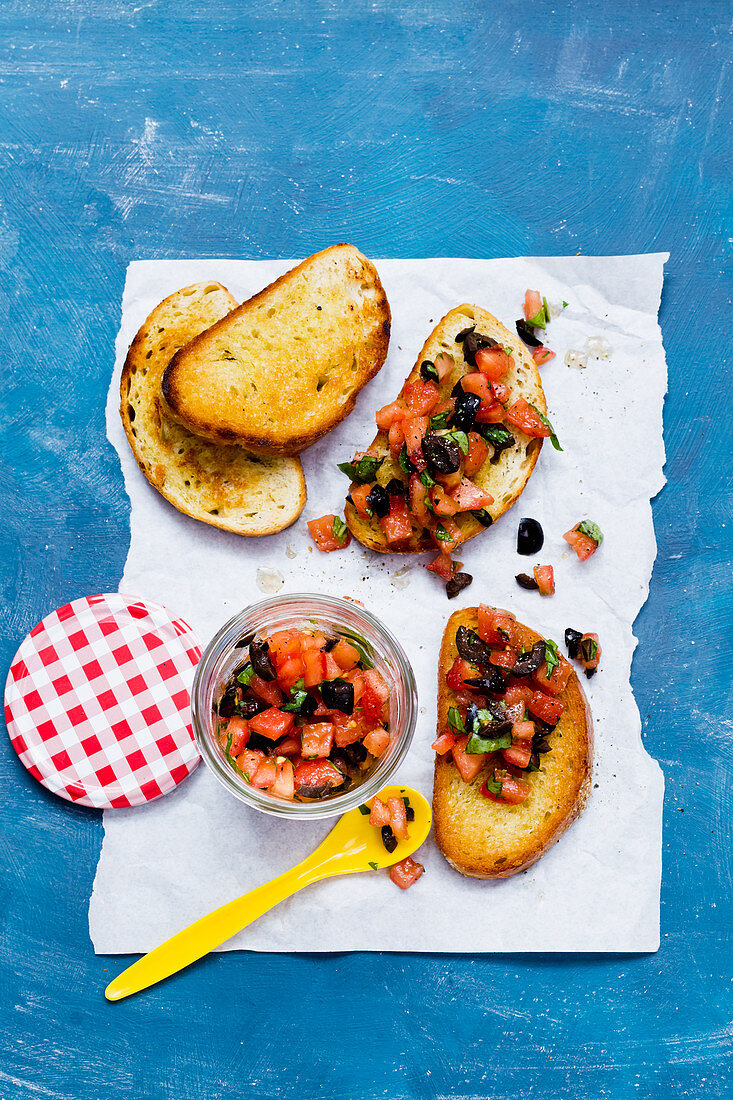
x=224 y=486
x=482 y=838
x=506 y=476
x=286 y=366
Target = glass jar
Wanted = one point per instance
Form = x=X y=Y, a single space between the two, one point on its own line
x=330 y=615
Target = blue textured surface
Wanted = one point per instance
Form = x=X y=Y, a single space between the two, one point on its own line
x=437 y=128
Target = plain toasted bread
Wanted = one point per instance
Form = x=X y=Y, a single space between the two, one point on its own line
x=505 y=479
x=285 y=367
x=224 y=486
x=486 y=839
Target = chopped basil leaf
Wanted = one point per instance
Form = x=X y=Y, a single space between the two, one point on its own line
x=299 y=685
x=592 y=530
x=297 y=700
x=374 y=866
x=364 y=810
x=404 y=461
x=477 y=743
x=496 y=433
x=442 y=535
x=508 y=350
x=245 y=676
x=339 y=529
x=494 y=785
x=440 y=420
x=427 y=480
x=553 y=438
x=455 y=721
x=362 y=471
x=538 y=321
x=228 y=749
x=484 y=517
x=551 y=657
x=460 y=439
x=565 y=305
x=593 y=648
x=546 y=309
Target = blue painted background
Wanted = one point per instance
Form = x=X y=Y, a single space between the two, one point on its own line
x=450 y=127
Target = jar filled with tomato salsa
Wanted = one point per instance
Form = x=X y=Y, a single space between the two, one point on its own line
x=304 y=705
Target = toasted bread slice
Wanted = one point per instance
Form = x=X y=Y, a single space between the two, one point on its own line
x=486 y=839
x=224 y=486
x=285 y=367
x=506 y=478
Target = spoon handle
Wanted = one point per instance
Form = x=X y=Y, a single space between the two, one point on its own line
x=215 y=928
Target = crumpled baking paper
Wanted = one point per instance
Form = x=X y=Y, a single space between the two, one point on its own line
x=165 y=864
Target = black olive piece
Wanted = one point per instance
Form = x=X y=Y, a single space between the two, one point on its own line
x=331 y=643
x=464 y=413
x=428 y=371
x=378 y=501
x=409 y=813
x=471 y=648
x=354 y=754
x=262 y=744
x=244 y=641
x=457 y=389
x=395 y=487
x=389 y=840
x=472 y=342
x=530 y=536
x=315 y=792
x=493 y=682
x=251 y=706
x=500 y=447
x=572 y=637
x=338 y=694
x=464 y=333
x=590 y=672
x=259 y=655
x=485 y=518
x=228 y=702
x=525 y=581
x=497 y=727
x=540 y=744
x=443 y=456
x=306 y=708
x=525 y=332
x=543 y=727
x=457 y=583
x=530 y=662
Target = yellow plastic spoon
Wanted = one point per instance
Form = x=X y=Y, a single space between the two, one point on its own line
x=353 y=845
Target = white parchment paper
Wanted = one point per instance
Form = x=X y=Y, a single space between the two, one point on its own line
x=165 y=864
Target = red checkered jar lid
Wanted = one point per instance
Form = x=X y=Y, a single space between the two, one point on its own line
x=97 y=701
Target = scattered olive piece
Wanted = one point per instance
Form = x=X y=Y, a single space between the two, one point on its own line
x=525 y=581
x=389 y=840
x=572 y=637
x=457 y=583
x=530 y=536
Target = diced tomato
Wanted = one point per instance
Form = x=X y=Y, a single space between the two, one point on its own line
x=356 y=677
x=238 y=729
x=490 y=413
x=478 y=384
x=380 y=813
x=291 y=746
x=523 y=416
x=458 y=673
x=444 y=743
x=513 y=790
x=545 y=577
x=316 y=774
x=591 y=664
x=442 y=504
x=453 y=531
x=332 y=669
x=284 y=784
x=555 y=684
x=517 y=693
x=359 y=496
x=468 y=497
x=500 y=392
x=545 y=707
x=583 y=545
x=396 y=437
x=495 y=626
x=376 y=694
x=345 y=655
x=248 y=762
x=519 y=753
x=290 y=671
x=450 y=481
x=478 y=452
x=418 y=492
x=308 y=641
x=444 y=566
x=323 y=535
x=444 y=365
x=387 y=415
x=265 y=775
x=266 y=690
x=542 y=355
x=406 y=873
x=284 y=644
x=317 y=740
x=532 y=304
x=414 y=429
x=523 y=731
x=468 y=764
x=504 y=658
x=272 y=723
x=376 y=683
x=396 y=526
x=494 y=363
x=348 y=732
x=398 y=817
x=377 y=741
x=314 y=667
x=421 y=397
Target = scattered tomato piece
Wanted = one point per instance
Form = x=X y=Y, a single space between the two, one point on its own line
x=545 y=577
x=329 y=533
x=406 y=873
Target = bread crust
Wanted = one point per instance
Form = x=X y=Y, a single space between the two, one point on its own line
x=486 y=839
x=505 y=480
x=224 y=487
x=288 y=434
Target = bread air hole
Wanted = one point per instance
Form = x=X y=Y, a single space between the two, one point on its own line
x=211 y=288
x=321 y=383
x=271 y=312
